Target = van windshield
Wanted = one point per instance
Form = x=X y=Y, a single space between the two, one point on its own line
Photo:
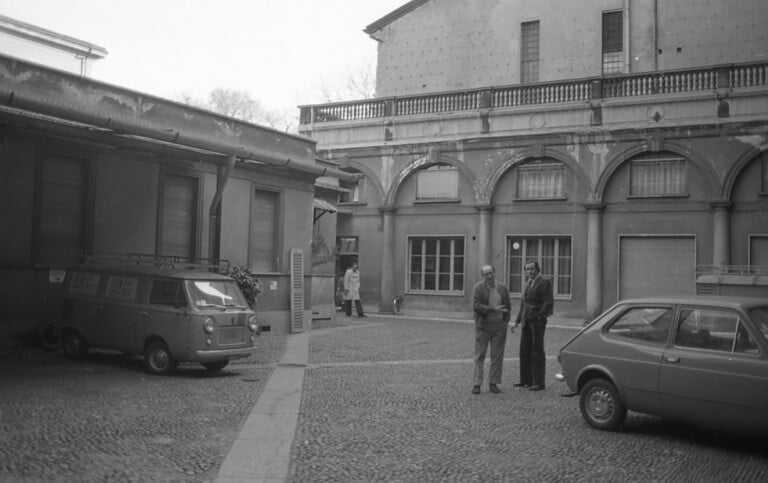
x=215 y=293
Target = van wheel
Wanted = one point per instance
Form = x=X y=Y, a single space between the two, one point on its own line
x=158 y=360
x=215 y=366
x=74 y=345
x=601 y=405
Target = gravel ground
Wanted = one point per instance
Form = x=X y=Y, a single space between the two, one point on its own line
x=104 y=419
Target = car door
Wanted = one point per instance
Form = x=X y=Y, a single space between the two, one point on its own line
x=634 y=345
x=714 y=371
x=120 y=313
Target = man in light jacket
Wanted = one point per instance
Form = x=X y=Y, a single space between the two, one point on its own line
x=352 y=291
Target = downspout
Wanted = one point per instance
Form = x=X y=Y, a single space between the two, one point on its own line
x=627 y=38
x=214 y=212
x=655 y=35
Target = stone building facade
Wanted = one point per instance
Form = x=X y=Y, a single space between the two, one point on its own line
x=621 y=143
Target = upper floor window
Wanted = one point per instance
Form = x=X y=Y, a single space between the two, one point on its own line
x=439 y=182
x=436 y=264
x=658 y=177
x=541 y=180
x=529 y=52
x=764 y=174
x=555 y=258
x=613 y=42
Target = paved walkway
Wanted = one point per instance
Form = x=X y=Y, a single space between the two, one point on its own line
x=261 y=452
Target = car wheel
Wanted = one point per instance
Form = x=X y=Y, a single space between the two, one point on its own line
x=215 y=366
x=74 y=345
x=158 y=360
x=601 y=405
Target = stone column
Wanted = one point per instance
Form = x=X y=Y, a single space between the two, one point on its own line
x=387 y=286
x=484 y=236
x=594 y=259
x=721 y=246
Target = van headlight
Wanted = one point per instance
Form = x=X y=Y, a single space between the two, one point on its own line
x=253 y=323
x=209 y=325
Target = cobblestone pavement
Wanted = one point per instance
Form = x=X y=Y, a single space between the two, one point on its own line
x=390 y=401
x=104 y=419
x=384 y=399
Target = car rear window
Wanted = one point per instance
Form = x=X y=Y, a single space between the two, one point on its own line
x=647 y=324
x=759 y=316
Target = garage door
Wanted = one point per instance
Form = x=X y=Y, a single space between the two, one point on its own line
x=656 y=266
x=758 y=251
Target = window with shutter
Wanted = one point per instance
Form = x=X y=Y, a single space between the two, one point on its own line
x=62 y=208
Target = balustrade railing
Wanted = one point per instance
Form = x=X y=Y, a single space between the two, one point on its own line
x=630 y=85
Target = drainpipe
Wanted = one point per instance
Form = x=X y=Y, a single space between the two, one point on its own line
x=627 y=38
x=655 y=35
x=214 y=212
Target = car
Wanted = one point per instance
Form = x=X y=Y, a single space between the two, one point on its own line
x=701 y=359
x=167 y=312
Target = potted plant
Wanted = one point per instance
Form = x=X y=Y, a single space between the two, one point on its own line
x=248 y=283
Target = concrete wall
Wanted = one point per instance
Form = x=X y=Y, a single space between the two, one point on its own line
x=460 y=44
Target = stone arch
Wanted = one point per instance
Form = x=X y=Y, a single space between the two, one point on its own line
x=486 y=193
x=425 y=161
x=372 y=180
x=698 y=160
x=735 y=170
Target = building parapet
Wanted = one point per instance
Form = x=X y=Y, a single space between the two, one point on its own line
x=589 y=89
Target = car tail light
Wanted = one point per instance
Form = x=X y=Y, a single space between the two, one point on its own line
x=209 y=325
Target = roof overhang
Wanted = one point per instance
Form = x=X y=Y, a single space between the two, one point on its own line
x=38 y=94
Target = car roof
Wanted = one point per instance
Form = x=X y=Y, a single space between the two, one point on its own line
x=712 y=300
x=165 y=272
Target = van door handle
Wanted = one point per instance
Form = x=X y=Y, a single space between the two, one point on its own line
x=672 y=359
x=144 y=314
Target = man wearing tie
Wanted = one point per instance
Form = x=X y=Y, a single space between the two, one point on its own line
x=535 y=306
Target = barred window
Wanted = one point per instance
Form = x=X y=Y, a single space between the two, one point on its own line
x=555 y=258
x=529 y=52
x=436 y=264
x=541 y=180
x=613 y=42
x=439 y=182
x=658 y=177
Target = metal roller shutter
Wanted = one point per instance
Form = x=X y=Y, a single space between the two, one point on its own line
x=656 y=266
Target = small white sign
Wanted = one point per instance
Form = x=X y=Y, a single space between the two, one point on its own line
x=56 y=275
x=273 y=284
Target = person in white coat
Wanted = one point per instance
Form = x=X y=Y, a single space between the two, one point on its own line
x=352 y=291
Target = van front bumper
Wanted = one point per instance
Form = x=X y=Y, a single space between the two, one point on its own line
x=219 y=354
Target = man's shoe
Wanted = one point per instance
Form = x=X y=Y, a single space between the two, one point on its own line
x=475 y=389
x=494 y=388
x=536 y=387
x=362 y=315
x=520 y=384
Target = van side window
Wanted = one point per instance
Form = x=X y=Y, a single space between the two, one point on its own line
x=84 y=283
x=121 y=288
x=167 y=292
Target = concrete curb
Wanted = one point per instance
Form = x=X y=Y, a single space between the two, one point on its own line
x=262 y=450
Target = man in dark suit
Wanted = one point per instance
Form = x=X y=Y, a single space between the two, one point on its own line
x=535 y=306
x=490 y=301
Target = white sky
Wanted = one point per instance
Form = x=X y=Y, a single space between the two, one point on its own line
x=280 y=51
